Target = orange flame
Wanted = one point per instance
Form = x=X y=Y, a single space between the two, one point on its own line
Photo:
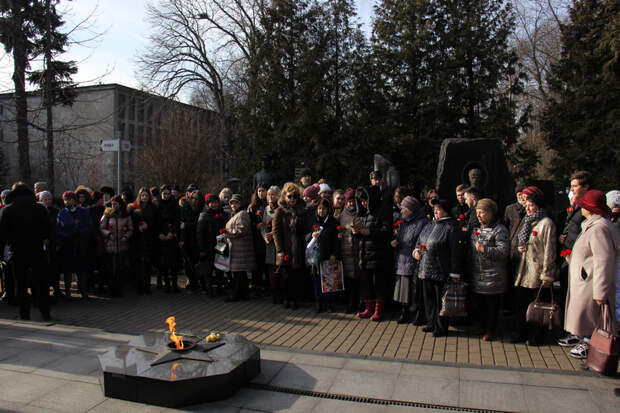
x=177 y=340
x=173 y=374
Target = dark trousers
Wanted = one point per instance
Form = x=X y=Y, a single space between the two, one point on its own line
x=417 y=306
x=8 y=283
x=374 y=284
x=487 y=311
x=433 y=291
x=240 y=285
x=352 y=293
x=190 y=259
x=143 y=275
x=30 y=272
x=117 y=266
x=292 y=280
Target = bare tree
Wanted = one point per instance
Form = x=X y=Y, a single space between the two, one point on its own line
x=206 y=46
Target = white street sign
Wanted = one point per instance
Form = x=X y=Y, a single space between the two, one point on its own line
x=111 y=145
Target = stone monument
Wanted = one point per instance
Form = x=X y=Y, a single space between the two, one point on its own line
x=391 y=176
x=266 y=176
x=474 y=162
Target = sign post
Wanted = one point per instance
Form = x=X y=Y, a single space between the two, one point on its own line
x=117 y=145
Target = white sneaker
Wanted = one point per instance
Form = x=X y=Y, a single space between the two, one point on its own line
x=580 y=351
x=570 y=340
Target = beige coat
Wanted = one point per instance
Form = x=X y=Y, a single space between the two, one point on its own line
x=538 y=262
x=594 y=257
x=239 y=230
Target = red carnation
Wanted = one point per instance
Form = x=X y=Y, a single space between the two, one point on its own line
x=570 y=209
x=398 y=223
x=534 y=233
x=110 y=226
x=565 y=253
x=258 y=212
x=476 y=233
x=218 y=215
x=141 y=223
x=260 y=224
x=269 y=222
x=223 y=230
x=316 y=227
x=285 y=258
x=422 y=247
x=462 y=216
x=339 y=228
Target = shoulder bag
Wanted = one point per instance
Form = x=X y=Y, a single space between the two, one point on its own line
x=543 y=314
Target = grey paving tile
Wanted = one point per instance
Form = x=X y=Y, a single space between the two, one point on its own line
x=266 y=354
x=326 y=405
x=268 y=370
x=497 y=396
x=427 y=370
x=556 y=380
x=606 y=400
x=115 y=406
x=213 y=408
x=9 y=406
x=490 y=375
x=540 y=399
x=319 y=360
x=271 y=401
x=427 y=390
x=18 y=387
x=306 y=377
x=30 y=360
x=76 y=368
x=373 y=365
x=75 y=397
x=371 y=384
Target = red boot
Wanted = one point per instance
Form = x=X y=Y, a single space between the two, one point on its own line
x=378 y=315
x=369 y=307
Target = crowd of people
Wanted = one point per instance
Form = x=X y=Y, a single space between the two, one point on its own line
x=395 y=250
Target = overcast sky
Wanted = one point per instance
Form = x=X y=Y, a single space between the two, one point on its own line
x=111 y=58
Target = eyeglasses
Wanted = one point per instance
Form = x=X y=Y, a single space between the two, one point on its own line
x=291 y=196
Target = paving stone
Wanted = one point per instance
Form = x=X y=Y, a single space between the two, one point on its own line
x=559 y=400
x=24 y=388
x=490 y=375
x=373 y=365
x=497 y=396
x=268 y=370
x=318 y=360
x=306 y=377
x=75 y=397
x=30 y=360
x=267 y=401
x=370 y=384
x=427 y=389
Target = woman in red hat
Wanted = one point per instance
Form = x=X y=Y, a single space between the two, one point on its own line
x=592 y=271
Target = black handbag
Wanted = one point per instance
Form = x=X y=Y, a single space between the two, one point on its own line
x=543 y=314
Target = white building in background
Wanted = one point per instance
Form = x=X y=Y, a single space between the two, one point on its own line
x=102 y=112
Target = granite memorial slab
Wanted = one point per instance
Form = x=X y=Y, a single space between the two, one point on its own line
x=149 y=370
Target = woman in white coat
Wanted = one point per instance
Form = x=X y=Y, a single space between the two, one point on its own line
x=592 y=271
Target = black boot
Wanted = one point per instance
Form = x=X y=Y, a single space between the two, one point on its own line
x=404 y=315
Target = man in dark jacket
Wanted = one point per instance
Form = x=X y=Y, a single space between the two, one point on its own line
x=24 y=225
x=210 y=221
x=459 y=212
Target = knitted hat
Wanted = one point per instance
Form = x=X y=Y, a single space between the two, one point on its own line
x=534 y=194
x=325 y=188
x=410 y=203
x=488 y=205
x=349 y=194
x=306 y=172
x=595 y=202
x=312 y=191
x=236 y=198
x=376 y=175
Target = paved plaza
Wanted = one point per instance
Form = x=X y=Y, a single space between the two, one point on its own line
x=310 y=362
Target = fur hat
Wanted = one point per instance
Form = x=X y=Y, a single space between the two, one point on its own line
x=349 y=194
x=211 y=198
x=325 y=188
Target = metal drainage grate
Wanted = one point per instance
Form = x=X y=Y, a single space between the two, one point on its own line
x=370 y=400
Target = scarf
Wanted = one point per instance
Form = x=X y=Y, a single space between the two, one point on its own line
x=524 y=234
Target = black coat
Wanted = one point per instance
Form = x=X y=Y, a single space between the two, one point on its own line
x=145 y=241
x=24 y=223
x=572 y=229
x=375 y=250
x=328 y=239
x=209 y=224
